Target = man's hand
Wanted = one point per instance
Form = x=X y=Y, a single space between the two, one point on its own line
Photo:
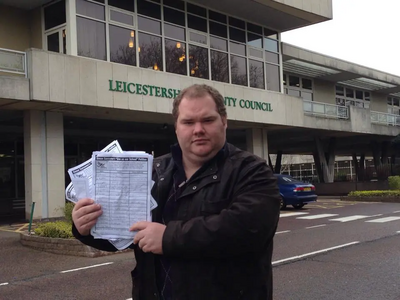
x=149 y=237
x=85 y=215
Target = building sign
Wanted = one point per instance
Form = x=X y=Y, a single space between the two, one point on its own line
x=169 y=93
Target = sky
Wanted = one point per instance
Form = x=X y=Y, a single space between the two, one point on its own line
x=365 y=32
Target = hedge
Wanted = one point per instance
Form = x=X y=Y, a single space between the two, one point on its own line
x=58 y=229
x=394 y=182
x=389 y=193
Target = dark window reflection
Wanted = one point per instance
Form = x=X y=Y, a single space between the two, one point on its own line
x=175 y=56
x=213 y=15
x=218 y=29
x=54 y=15
x=149 y=9
x=218 y=43
x=196 y=10
x=237 y=35
x=91 y=38
x=122 y=45
x=121 y=17
x=254 y=40
x=219 y=66
x=254 y=28
x=90 y=9
x=197 y=23
x=198 y=62
x=270 y=33
x=174 y=32
x=53 y=42
x=123 y=4
x=174 y=16
x=307 y=84
x=239 y=70
x=273 y=80
x=236 y=22
x=149 y=25
x=256 y=72
x=150 y=51
x=294 y=81
x=175 y=3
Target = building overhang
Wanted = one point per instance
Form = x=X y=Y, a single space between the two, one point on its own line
x=302 y=62
x=24 y=4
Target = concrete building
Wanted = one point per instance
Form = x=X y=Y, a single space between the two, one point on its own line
x=77 y=74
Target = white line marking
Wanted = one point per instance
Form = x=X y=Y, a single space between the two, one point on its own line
x=398 y=231
x=313 y=253
x=383 y=220
x=378 y=215
x=94 y=266
x=322 y=225
x=350 y=218
x=293 y=214
x=282 y=231
x=317 y=216
x=397 y=211
x=4 y=283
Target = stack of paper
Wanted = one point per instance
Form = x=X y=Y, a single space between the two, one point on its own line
x=121 y=183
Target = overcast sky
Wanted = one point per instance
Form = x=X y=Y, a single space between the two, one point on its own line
x=366 y=32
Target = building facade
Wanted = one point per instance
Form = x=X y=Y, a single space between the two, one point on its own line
x=77 y=74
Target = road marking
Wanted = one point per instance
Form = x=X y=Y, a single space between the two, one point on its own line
x=4 y=283
x=312 y=253
x=384 y=220
x=350 y=218
x=282 y=231
x=317 y=216
x=293 y=214
x=322 y=225
x=397 y=211
x=83 y=268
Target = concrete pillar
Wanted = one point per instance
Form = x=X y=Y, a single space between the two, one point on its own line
x=44 y=164
x=257 y=142
x=325 y=161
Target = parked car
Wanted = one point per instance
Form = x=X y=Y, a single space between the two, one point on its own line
x=295 y=192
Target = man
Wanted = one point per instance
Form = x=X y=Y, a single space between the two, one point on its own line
x=218 y=209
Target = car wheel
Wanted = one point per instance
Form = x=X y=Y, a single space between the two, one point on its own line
x=298 y=206
x=283 y=205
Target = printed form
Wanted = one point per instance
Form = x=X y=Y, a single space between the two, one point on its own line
x=122 y=186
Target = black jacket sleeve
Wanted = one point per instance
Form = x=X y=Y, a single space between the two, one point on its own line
x=89 y=240
x=247 y=225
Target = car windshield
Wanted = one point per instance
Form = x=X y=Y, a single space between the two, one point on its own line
x=288 y=179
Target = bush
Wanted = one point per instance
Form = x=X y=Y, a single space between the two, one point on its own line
x=394 y=182
x=395 y=193
x=58 y=229
x=69 y=206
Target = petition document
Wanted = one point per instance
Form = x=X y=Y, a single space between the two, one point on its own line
x=122 y=186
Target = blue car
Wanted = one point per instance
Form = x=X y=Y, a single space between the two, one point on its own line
x=294 y=192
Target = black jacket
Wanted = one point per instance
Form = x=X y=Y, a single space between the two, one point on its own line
x=220 y=242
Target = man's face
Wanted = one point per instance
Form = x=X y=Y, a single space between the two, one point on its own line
x=200 y=130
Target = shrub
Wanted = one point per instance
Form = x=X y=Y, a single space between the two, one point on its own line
x=394 y=182
x=395 y=193
x=69 y=206
x=58 y=229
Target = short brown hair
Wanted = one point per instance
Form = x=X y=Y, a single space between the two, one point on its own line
x=197 y=91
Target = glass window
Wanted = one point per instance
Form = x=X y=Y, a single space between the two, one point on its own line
x=272 y=57
x=254 y=40
x=122 y=45
x=306 y=83
x=294 y=81
x=270 y=33
x=340 y=91
x=254 y=28
x=237 y=23
x=196 y=10
x=149 y=9
x=174 y=16
x=237 y=48
x=123 y=4
x=175 y=56
x=91 y=38
x=174 y=32
x=349 y=93
x=218 y=43
x=239 y=70
x=256 y=53
x=271 y=45
x=198 y=38
x=90 y=9
x=367 y=96
x=197 y=23
x=218 y=29
x=395 y=102
x=284 y=79
x=213 y=15
x=54 y=15
x=198 y=61
x=237 y=35
x=150 y=51
x=307 y=96
x=53 y=42
x=389 y=101
x=149 y=25
x=295 y=93
x=273 y=78
x=175 y=4
x=120 y=17
x=359 y=95
x=256 y=74
x=219 y=66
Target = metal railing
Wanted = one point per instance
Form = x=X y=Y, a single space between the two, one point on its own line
x=12 y=61
x=384 y=118
x=325 y=110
